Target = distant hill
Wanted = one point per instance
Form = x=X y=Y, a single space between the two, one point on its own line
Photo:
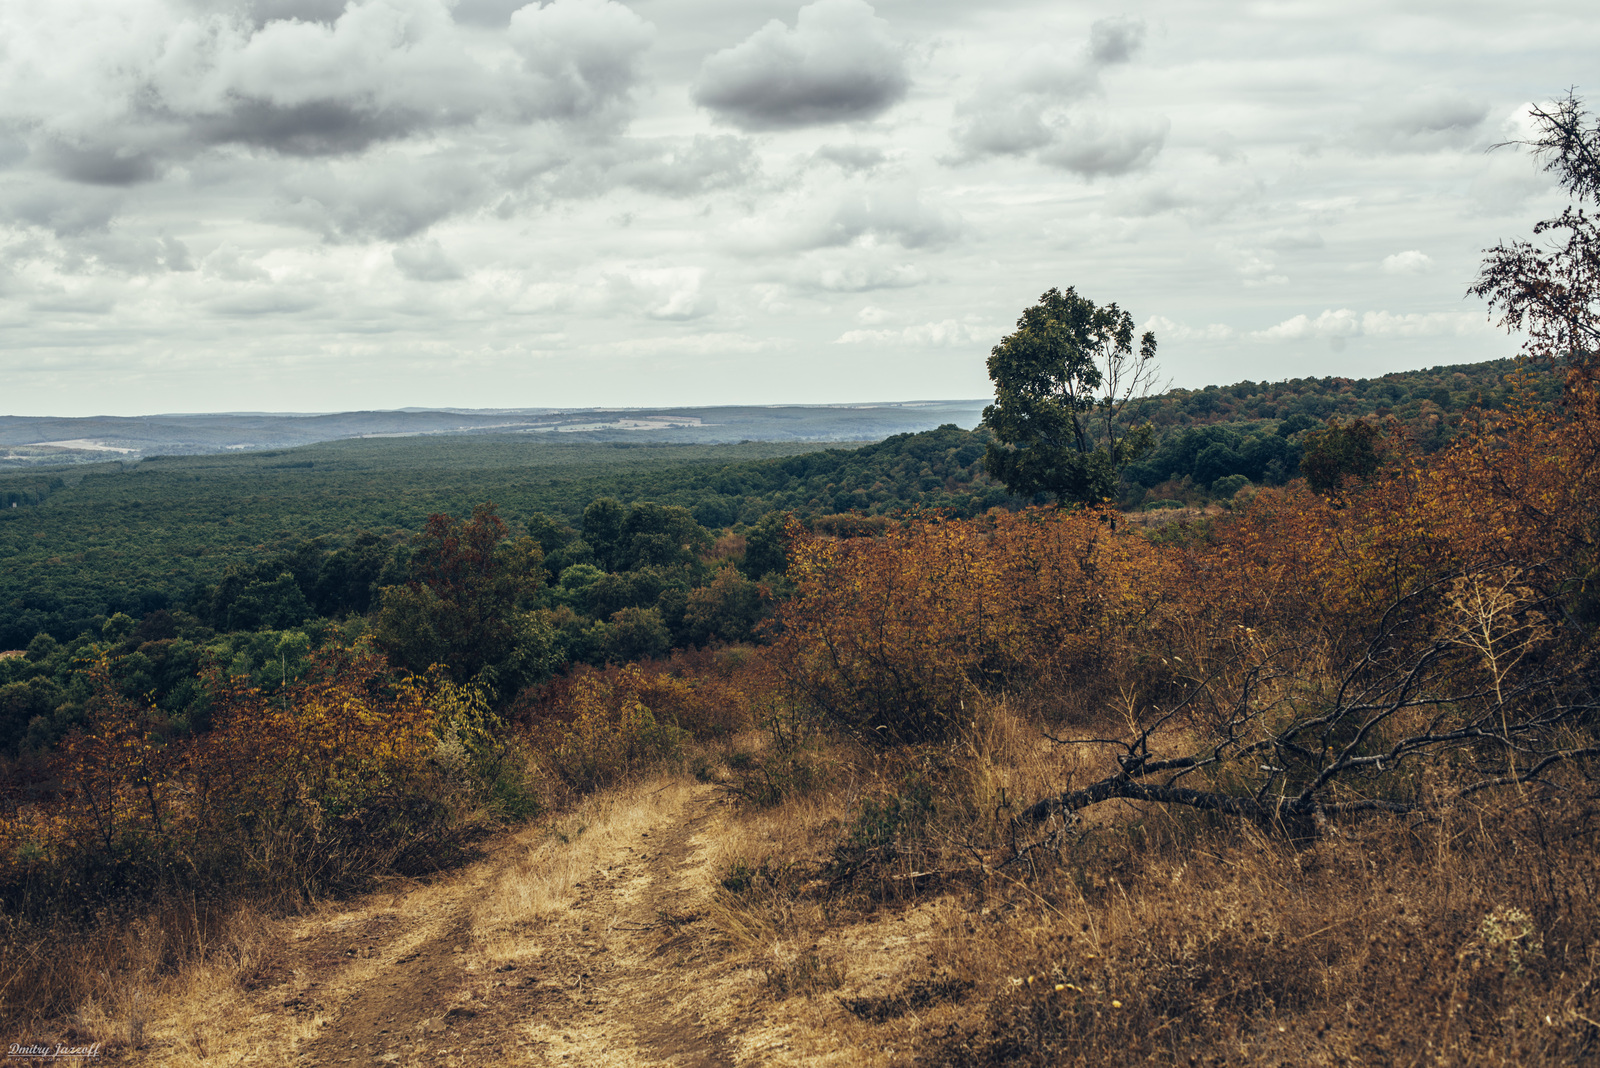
x=29 y=441
x=1211 y=440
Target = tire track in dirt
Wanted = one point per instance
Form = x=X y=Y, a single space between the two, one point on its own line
x=612 y=980
x=632 y=954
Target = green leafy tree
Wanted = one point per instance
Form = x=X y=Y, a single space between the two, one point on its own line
x=1064 y=382
x=767 y=545
x=1335 y=453
x=467 y=605
x=728 y=609
x=637 y=634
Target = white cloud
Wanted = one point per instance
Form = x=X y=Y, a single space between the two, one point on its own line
x=1410 y=261
x=1344 y=323
x=857 y=276
x=1093 y=144
x=1039 y=105
x=581 y=56
x=1423 y=324
x=672 y=294
x=115 y=94
x=869 y=216
x=1167 y=330
x=947 y=333
x=872 y=315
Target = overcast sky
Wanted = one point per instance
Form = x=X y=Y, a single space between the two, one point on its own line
x=315 y=205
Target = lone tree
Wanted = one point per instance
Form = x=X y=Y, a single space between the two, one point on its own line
x=1063 y=382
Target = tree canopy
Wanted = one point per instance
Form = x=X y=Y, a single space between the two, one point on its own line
x=1063 y=381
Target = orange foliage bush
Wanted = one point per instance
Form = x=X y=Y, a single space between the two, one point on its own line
x=600 y=725
x=891 y=636
x=1519 y=489
x=349 y=740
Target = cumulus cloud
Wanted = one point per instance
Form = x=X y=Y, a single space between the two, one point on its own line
x=581 y=55
x=1168 y=330
x=866 y=217
x=672 y=294
x=838 y=64
x=1115 y=40
x=117 y=251
x=65 y=211
x=350 y=202
x=1410 y=261
x=117 y=93
x=1343 y=323
x=1254 y=265
x=1095 y=143
x=1041 y=105
x=947 y=333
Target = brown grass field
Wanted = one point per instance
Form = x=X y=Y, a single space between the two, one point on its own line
x=662 y=921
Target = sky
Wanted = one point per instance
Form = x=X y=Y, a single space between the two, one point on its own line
x=322 y=205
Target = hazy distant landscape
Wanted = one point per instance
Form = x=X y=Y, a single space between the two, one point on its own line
x=33 y=441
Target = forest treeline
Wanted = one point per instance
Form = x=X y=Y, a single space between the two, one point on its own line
x=81 y=546
x=168 y=576
x=165 y=611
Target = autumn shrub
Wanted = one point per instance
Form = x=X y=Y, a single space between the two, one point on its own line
x=602 y=731
x=891 y=638
x=351 y=772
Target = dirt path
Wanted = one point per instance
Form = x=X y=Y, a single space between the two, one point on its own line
x=515 y=960
x=588 y=943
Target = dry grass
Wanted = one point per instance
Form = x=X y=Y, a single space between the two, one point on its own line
x=553 y=858
x=1142 y=935
x=1154 y=936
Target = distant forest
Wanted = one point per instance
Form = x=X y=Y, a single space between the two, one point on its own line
x=254 y=559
